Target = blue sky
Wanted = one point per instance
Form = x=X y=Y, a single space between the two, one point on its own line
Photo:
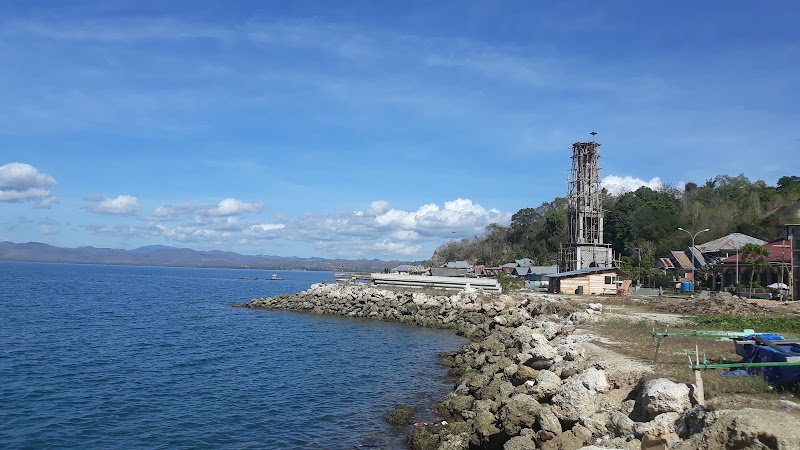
x=363 y=129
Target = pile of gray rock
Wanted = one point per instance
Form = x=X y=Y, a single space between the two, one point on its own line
x=531 y=378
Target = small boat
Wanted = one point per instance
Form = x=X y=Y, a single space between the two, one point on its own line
x=770 y=355
x=274 y=277
x=248 y=278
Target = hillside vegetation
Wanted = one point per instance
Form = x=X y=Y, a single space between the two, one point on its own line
x=641 y=225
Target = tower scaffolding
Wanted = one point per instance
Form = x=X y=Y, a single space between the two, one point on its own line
x=585 y=247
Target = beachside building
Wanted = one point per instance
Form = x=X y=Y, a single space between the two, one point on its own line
x=789 y=218
x=779 y=259
x=410 y=269
x=592 y=280
x=536 y=275
x=727 y=246
x=452 y=269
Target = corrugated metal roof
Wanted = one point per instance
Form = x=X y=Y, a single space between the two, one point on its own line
x=457 y=265
x=521 y=271
x=731 y=242
x=699 y=260
x=586 y=271
x=666 y=262
x=780 y=251
x=544 y=269
x=681 y=259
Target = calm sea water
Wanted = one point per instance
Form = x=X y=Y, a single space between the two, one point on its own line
x=98 y=356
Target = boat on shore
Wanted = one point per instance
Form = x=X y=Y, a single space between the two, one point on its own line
x=775 y=358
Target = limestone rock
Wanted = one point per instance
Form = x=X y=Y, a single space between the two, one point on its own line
x=665 y=422
x=519 y=443
x=748 y=429
x=594 y=380
x=526 y=373
x=546 y=385
x=401 y=415
x=548 y=421
x=662 y=395
x=519 y=412
x=542 y=352
x=572 y=402
x=620 y=424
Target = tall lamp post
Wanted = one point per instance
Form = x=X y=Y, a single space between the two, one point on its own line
x=693 y=236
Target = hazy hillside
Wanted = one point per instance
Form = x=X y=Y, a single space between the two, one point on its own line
x=158 y=255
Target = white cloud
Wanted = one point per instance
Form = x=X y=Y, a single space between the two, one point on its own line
x=430 y=220
x=192 y=234
x=123 y=205
x=619 y=185
x=20 y=181
x=375 y=231
x=263 y=231
x=398 y=249
x=48 y=229
x=395 y=232
x=48 y=202
x=233 y=207
x=172 y=213
x=204 y=213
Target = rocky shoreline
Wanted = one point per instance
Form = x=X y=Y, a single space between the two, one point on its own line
x=532 y=378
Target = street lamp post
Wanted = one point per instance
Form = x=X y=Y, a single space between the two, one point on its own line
x=693 y=236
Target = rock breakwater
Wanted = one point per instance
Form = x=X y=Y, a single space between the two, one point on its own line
x=532 y=377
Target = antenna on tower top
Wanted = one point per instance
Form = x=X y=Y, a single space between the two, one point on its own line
x=593 y=133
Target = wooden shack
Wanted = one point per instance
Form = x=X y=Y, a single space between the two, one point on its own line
x=589 y=281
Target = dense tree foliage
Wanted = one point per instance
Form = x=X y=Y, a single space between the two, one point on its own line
x=641 y=225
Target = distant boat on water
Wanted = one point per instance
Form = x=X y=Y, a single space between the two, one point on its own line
x=274 y=277
x=248 y=278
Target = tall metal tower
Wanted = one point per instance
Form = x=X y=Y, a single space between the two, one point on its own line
x=585 y=247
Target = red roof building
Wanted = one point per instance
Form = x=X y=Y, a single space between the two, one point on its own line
x=779 y=258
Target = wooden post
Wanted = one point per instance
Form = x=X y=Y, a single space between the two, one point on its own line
x=698 y=379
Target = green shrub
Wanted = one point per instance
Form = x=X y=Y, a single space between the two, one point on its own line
x=759 y=324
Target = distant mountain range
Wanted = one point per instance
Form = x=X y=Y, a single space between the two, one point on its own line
x=160 y=255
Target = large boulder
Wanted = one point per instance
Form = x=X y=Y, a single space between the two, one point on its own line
x=519 y=443
x=401 y=415
x=519 y=412
x=662 y=395
x=594 y=380
x=748 y=429
x=546 y=385
x=548 y=421
x=572 y=402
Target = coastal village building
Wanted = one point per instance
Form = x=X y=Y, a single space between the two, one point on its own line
x=537 y=276
x=779 y=259
x=727 y=246
x=585 y=247
x=452 y=269
x=592 y=280
x=712 y=252
x=409 y=269
x=790 y=220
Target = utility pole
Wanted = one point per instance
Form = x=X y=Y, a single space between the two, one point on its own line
x=694 y=236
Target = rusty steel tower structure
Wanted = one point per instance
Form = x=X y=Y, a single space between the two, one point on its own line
x=585 y=247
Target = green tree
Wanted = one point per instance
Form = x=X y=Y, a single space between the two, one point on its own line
x=644 y=214
x=788 y=182
x=754 y=255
